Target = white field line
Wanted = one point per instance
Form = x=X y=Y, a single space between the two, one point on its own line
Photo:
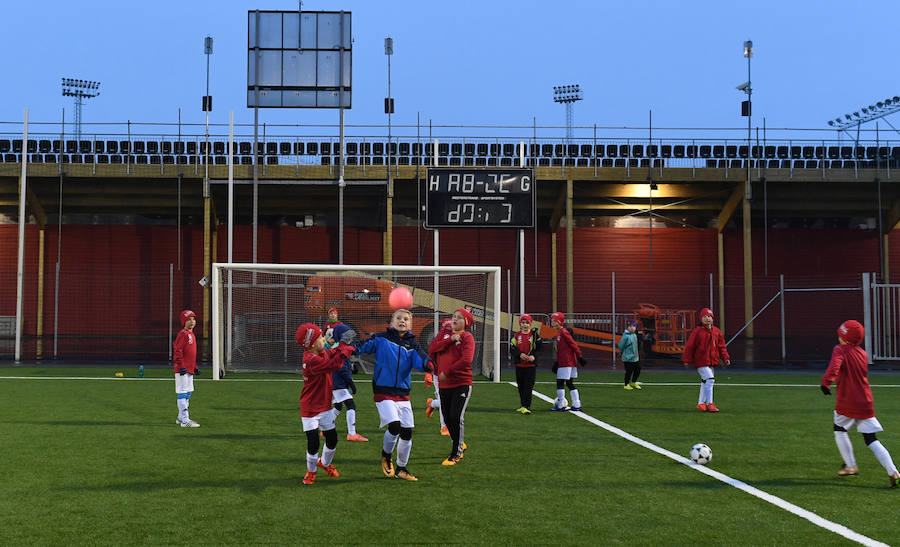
x=839 y=529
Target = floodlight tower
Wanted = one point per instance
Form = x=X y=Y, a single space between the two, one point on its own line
x=80 y=90
x=866 y=114
x=567 y=95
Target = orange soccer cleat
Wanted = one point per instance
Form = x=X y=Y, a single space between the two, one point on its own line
x=712 y=408
x=445 y=432
x=309 y=478
x=356 y=437
x=845 y=471
x=330 y=469
x=429 y=410
x=701 y=406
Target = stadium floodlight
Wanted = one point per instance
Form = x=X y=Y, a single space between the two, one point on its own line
x=80 y=90
x=867 y=113
x=256 y=308
x=568 y=95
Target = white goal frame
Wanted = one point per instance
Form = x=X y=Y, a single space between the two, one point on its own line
x=218 y=282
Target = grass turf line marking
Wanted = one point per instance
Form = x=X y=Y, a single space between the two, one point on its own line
x=839 y=529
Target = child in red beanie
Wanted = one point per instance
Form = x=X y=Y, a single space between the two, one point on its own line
x=849 y=369
x=453 y=352
x=184 y=361
x=315 y=397
x=704 y=348
x=523 y=345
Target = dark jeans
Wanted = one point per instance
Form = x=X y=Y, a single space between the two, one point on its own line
x=632 y=371
x=525 y=380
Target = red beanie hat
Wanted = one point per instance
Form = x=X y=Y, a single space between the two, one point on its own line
x=307 y=334
x=335 y=310
x=707 y=311
x=559 y=316
x=467 y=316
x=851 y=332
x=525 y=317
x=183 y=316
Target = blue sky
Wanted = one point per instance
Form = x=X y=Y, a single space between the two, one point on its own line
x=472 y=63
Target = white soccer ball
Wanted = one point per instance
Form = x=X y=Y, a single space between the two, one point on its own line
x=700 y=453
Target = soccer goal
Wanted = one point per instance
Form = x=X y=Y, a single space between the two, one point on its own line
x=256 y=308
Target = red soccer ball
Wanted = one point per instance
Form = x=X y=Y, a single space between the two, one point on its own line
x=400 y=297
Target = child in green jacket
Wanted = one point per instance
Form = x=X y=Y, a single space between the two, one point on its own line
x=628 y=347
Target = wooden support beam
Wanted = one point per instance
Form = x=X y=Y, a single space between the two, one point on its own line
x=730 y=207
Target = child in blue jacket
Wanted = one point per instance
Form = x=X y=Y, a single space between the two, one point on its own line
x=628 y=348
x=396 y=353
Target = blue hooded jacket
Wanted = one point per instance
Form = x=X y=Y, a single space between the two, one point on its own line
x=628 y=345
x=395 y=357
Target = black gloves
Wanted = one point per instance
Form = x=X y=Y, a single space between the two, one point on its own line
x=352 y=385
x=825 y=390
x=582 y=362
x=182 y=371
x=196 y=371
x=555 y=366
x=343 y=333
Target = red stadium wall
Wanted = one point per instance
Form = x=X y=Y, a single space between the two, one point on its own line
x=114 y=281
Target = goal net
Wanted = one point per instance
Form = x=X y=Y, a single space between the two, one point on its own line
x=256 y=309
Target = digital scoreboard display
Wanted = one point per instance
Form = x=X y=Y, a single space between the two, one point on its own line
x=484 y=198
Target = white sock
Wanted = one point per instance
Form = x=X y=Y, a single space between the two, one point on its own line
x=403 y=449
x=435 y=403
x=709 y=390
x=884 y=457
x=311 y=462
x=576 y=400
x=182 y=409
x=842 y=439
x=390 y=441
x=560 y=397
x=701 y=400
x=328 y=455
x=351 y=421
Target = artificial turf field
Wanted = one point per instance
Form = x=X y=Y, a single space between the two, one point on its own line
x=101 y=461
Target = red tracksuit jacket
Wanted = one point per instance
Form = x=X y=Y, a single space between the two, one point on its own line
x=315 y=397
x=849 y=368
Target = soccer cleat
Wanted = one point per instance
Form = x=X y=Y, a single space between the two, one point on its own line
x=895 y=481
x=330 y=469
x=712 y=408
x=429 y=410
x=526 y=410
x=402 y=473
x=559 y=409
x=845 y=471
x=177 y=421
x=701 y=406
x=387 y=467
x=628 y=387
x=356 y=437
x=450 y=461
x=321 y=434
x=189 y=423
x=635 y=385
x=521 y=410
x=309 y=478
x=444 y=431
x=575 y=409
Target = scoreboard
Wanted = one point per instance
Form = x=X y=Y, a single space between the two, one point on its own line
x=479 y=198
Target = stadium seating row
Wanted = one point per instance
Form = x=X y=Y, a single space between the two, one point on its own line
x=483 y=150
x=119 y=159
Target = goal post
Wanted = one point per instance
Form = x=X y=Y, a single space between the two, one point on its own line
x=256 y=308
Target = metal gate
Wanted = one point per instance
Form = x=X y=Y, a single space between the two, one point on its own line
x=886 y=321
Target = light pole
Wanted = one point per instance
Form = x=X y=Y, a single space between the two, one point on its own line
x=567 y=95
x=80 y=90
x=207 y=108
x=388 y=249
x=746 y=107
x=746 y=110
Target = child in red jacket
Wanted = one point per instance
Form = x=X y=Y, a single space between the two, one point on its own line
x=704 y=348
x=849 y=369
x=568 y=357
x=453 y=352
x=523 y=346
x=184 y=361
x=315 y=397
